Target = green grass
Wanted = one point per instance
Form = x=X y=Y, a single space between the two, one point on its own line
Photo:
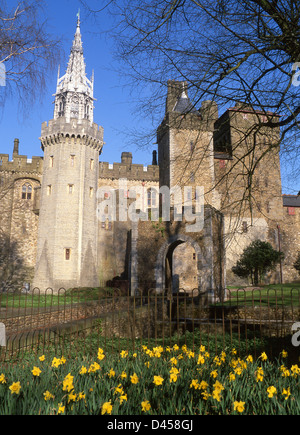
x=39 y=300
x=271 y=295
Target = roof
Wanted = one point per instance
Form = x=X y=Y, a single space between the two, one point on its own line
x=184 y=105
x=291 y=200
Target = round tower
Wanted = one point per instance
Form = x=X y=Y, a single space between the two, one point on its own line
x=72 y=142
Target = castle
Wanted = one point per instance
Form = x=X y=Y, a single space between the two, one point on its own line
x=50 y=204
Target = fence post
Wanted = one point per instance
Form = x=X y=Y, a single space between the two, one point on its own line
x=2 y=335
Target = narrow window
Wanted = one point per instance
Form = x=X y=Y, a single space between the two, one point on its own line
x=194 y=256
x=72 y=160
x=67 y=254
x=245 y=227
x=92 y=162
x=49 y=190
x=70 y=189
x=51 y=162
x=91 y=192
x=27 y=191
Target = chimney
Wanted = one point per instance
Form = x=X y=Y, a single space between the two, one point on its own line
x=16 y=146
x=154 y=158
x=126 y=158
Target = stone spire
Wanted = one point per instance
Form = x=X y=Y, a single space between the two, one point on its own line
x=74 y=92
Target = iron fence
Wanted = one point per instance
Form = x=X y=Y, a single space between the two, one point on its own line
x=82 y=320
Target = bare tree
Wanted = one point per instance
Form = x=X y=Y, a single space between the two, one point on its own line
x=226 y=51
x=27 y=50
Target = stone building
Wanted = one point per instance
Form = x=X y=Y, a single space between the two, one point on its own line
x=68 y=211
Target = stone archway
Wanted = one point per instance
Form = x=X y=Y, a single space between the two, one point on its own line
x=164 y=263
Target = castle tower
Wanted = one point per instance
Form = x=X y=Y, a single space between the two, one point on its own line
x=185 y=142
x=72 y=142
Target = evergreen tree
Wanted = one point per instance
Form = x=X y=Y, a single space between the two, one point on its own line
x=257 y=259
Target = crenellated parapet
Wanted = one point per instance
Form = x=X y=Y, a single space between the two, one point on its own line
x=21 y=165
x=56 y=131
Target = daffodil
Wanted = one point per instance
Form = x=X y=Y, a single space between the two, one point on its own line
x=42 y=358
x=106 y=408
x=239 y=406
x=83 y=370
x=286 y=393
x=61 y=409
x=15 y=388
x=36 y=371
x=134 y=379
x=48 y=396
x=271 y=391
x=158 y=380
x=263 y=356
x=146 y=406
x=2 y=379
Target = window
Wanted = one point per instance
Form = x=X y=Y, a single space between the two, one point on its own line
x=70 y=189
x=51 y=161
x=91 y=192
x=72 y=160
x=26 y=191
x=194 y=256
x=67 y=254
x=245 y=227
x=49 y=190
x=151 y=198
x=92 y=164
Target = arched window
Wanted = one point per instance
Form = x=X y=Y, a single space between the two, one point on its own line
x=27 y=191
x=151 y=198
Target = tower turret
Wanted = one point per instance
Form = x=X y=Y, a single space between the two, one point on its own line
x=72 y=142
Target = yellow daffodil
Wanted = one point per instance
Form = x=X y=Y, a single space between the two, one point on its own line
x=123 y=398
x=124 y=353
x=271 y=391
x=68 y=383
x=83 y=370
x=106 y=408
x=100 y=355
x=48 y=396
x=239 y=406
x=134 y=379
x=111 y=373
x=194 y=384
x=146 y=406
x=123 y=375
x=214 y=374
x=2 y=379
x=61 y=409
x=158 y=380
x=15 y=388
x=263 y=356
x=36 y=371
x=286 y=393
x=42 y=358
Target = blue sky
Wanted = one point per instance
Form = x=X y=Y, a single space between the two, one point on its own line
x=115 y=108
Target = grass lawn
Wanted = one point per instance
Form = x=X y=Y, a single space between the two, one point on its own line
x=271 y=295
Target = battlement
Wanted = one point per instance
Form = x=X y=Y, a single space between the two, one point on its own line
x=127 y=169
x=19 y=163
x=82 y=129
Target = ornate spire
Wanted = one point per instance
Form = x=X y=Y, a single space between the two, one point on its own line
x=74 y=92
